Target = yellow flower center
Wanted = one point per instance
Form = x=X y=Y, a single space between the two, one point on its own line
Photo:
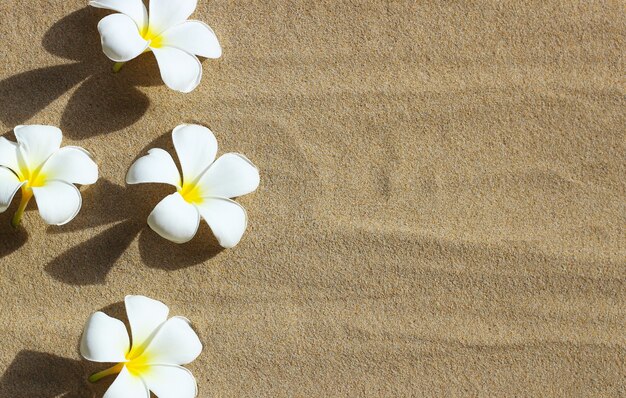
x=191 y=193
x=137 y=365
x=155 y=39
x=137 y=360
x=33 y=178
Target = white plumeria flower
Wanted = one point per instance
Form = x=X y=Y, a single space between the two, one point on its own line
x=204 y=189
x=174 y=40
x=41 y=168
x=153 y=363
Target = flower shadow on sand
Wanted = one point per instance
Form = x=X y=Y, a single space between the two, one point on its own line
x=42 y=375
x=10 y=239
x=39 y=374
x=103 y=103
x=127 y=208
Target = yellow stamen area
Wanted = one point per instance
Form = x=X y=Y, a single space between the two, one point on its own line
x=155 y=39
x=32 y=179
x=137 y=365
x=191 y=193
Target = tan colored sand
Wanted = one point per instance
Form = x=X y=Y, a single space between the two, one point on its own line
x=441 y=210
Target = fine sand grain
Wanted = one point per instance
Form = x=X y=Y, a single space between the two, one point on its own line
x=441 y=211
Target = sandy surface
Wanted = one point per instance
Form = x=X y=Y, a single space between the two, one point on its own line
x=441 y=211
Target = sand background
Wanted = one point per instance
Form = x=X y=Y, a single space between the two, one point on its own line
x=441 y=210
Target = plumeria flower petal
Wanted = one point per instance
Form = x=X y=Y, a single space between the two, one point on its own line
x=227 y=219
x=145 y=315
x=166 y=31
x=42 y=169
x=180 y=71
x=135 y=9
x=205 y=189
x=194 y=37
x=171 y=381
x=58 y=202
x=165 y=14
x=231 y=175
x=127 y=385
x=196 y=147
x=36 y=144
x=120 y=40
x=8 y=154
x=105 y=339
x=153 y=362
x=175 y=219
x=9 y=185
x=157 y=166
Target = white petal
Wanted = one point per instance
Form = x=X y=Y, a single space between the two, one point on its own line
x=169 y=381
x=58 y=202
x=9 y=185
x=145 y=316
x=194 y=37
x=227 y=219
x=37 y=143
x=8 y=155
x=230 y=176
x=133 y=8
x=196 y=148
x=175 y=219
x=120 y=38
x=167 y=13
x=174 y=344
x=71 y=164
x=180 y=71
x=157 y=166
x=127 y=385
x=105 y=339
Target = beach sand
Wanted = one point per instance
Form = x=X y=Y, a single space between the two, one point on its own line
x=441 y=209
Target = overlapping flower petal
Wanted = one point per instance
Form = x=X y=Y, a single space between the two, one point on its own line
x=204 y=191
x=175 y=41
x=43 y=170
x=153 y=362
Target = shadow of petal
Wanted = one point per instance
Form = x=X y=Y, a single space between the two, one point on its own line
x=103 y=203
x=142 y=71
x=11 y=239
x=79 y=265
x=38 y=374
x=157 y=252
x=104 y=103
x=76 y=35
x=24 y=95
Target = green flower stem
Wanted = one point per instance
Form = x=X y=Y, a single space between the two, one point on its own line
x=108 y=372
x=118 y=66
x=27 y=195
